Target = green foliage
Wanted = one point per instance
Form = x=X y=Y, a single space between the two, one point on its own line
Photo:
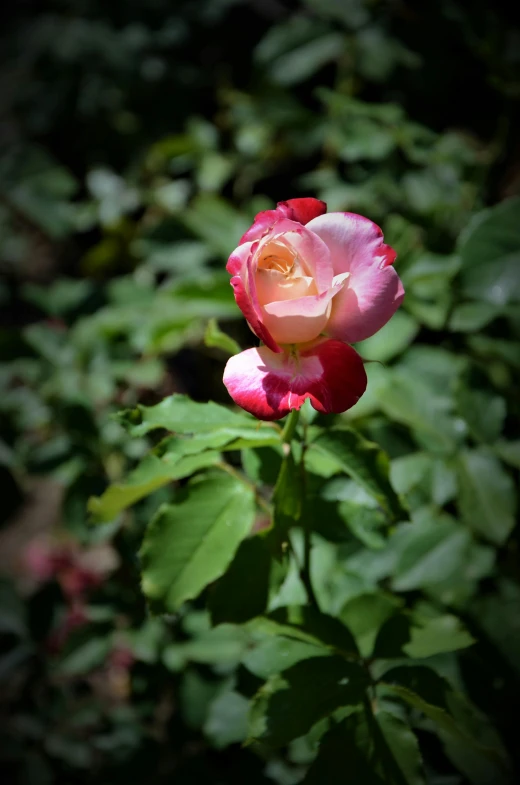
x=190 y=544
x=331 y=602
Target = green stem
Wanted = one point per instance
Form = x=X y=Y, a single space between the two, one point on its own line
x=305 y=573
x=290 y=426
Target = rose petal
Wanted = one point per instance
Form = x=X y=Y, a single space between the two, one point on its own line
x=246 y=306
x=305 y=209
x=269 y=385
x=262 y=224
x=237 y=261
x=300 y=320
x=299 y=210
x=373 y=291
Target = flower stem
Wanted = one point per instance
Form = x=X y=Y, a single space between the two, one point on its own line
x=305 y=573
x=290 y=426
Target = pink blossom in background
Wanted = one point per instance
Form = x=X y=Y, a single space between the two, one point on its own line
x=309 y=283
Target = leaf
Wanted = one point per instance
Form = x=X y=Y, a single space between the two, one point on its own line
x=287 y=706
x=508 y=452
x=468 y=317
x=271 y=655
x=365 y=614
x=226 y=722
x=85 y=658
x=422 y=689
x=189 y=544
x=403 y=746
x=434 y=550
x=442 y=634
x=327 y=629
x=179 y=414
x=365 y=462
x=490 y=252
x=480 y=754
x=213 y=336
x=484 y=413
x=222 y=646
x=288 y=492
x=340 y=761
x=214 y=220
x=410 y=397
x=368 y=524
x=152 y=473
x=196 y=694
x=391 y=340
x=242 y=591
x=486 y=498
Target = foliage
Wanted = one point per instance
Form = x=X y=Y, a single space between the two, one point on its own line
x=334 y=602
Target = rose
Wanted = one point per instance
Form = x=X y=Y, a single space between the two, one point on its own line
x=308 y=283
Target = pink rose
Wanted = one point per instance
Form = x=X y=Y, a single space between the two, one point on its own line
x=308 y=283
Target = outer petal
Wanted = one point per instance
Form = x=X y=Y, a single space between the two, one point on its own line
x=238 y=260
x=263 y=222
x=299 y=210
x=304 y=210
x=245 y=304
x=373 y=291
x=269 y=385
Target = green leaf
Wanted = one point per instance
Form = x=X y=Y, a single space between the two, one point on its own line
x=226 y=722
x=365 y=462
x=365 y=614
x=214 y=336
x=442 y=634
x=422 y=689
x=288 y=492
x=242 y=591
x=486 y=499
x=484 y=413
x=83 y=659
x=411 y=398
x=340 y=761
x=287 y=706
x=468 y=317
x=179 y=414
x=368 y=524
x=490 y=252
x=434 y=550
x=391 y=340
x=214 y=220
x=189 y=544
x=196 y=694
x=508 y=451
x=222 y=646
x=271 y=655
x=403 y=746
x=328 y=630
x=152 y=473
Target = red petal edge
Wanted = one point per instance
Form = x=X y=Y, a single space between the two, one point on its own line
x=269 y=385
x=246 y=306
x=305 y=209
x=300 y=210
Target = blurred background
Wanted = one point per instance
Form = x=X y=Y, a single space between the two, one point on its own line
x=137 y=141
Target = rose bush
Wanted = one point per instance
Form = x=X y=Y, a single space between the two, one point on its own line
x=309 y=283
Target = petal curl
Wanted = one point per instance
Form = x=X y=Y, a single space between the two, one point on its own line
x=373 y=291
x=299 y=210
x=238 y=260
x=300 y=320
x=245 y=304
x=269 y=385
x=304 y=209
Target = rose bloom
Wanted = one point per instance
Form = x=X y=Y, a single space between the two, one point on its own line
x=309 y=283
